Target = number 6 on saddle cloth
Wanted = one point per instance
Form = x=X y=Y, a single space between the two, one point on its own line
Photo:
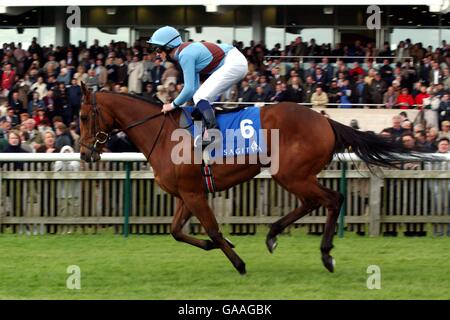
x=240 y=130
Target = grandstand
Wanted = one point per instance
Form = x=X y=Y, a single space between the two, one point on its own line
x=292 y=51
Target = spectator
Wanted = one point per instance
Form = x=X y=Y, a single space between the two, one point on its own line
x=157 y=72
x=81 y=75
x=328 y=70
x=408 y=141
x=405 y=100
x=14 y=146
x=64 y=76
x=122 y=72
x=390 y=98
x=432 y=136
x=170 y=75
x=446 y=78
x=319 y=98
x=377 y=89
x=12 y=118
x=49 y=143
x=34 y=136
x=246 y=94
x=432 y=103
x=309 y=88
x=16 y=104
x=425 y=70
x=402 y=52
x=51 y=65
x=319 y=78
x=266 y=86
x=34 y=104
x=40 y=87
x=148 y=93
x=25 y=143
x=435 y=73
x=421 y=96
x=7 y=80
x=260 y=95
x=435 y=187
x=135 y=76
x=356 y=71
x=396 y=131
x=101 y=73
x=280 y=93
x=276 y=77
x=445 y=132
x=111 y=70
x=69 y=191
x=444 y=109
x=345 y=95
x=334 y=93
x=92 y=81
x=75 y=136
x=295 y=90
x=63 y=108
x=74 y=96
x=421 y=142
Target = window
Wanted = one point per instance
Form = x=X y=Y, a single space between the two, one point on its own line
x=211 y=34
x=11 y=35
x=90 y=34
x=428 y=37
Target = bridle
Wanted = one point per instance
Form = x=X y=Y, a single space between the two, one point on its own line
x=101 y=137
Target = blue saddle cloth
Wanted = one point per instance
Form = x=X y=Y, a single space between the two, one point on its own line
x=241 y=131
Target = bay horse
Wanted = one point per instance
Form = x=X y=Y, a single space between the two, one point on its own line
x=307 y=143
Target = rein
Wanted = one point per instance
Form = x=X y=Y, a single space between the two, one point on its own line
x=101 y=137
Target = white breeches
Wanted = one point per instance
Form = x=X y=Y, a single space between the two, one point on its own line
x=233 y=70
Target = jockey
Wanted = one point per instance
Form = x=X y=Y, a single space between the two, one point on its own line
x=225 y=64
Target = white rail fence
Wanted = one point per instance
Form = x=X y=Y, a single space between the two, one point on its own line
x=37 y=199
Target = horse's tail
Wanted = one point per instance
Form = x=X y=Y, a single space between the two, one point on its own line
x=369 y=147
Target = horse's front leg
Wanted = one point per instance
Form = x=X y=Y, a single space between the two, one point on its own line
x=198 y=205
x=182 y=215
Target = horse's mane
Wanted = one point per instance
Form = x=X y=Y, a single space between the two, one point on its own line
x=134 y=96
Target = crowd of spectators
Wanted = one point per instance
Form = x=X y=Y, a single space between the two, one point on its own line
x=40 y=93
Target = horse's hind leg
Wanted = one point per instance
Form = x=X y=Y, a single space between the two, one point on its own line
x=198 y=205
x=333 y=201
x=313 y=195
x=182 y=215
x=277 y=227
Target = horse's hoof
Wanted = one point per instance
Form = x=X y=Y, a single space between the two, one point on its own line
x=241 y=268
x=230 y=243
x=329 y=262
x=271 y=244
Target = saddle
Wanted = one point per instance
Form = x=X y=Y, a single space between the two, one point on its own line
x=187 y=120
x=190 y=114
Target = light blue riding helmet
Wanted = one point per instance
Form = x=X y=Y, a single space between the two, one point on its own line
x=166 y=37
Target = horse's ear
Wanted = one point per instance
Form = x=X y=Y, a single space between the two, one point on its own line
x=85 y=90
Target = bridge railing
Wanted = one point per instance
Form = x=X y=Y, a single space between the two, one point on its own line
x=120 y=193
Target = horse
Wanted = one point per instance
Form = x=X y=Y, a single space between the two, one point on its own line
x=307 y=143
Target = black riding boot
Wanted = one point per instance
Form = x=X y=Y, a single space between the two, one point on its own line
x=208 y=115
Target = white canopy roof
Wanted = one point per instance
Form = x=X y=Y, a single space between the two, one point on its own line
x=211 y=5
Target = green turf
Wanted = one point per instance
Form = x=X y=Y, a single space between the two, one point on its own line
x=157 y=267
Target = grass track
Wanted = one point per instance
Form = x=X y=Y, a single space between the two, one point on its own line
x=157 y=267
